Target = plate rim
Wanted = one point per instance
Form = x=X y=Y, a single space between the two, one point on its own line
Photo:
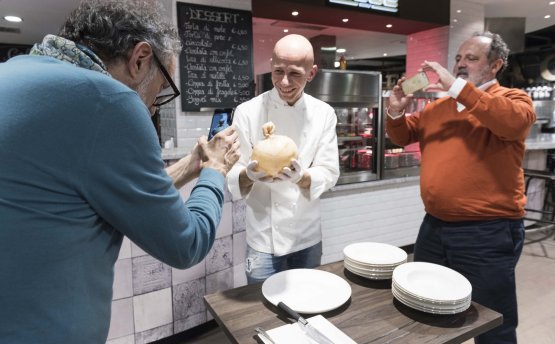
x=343 y=299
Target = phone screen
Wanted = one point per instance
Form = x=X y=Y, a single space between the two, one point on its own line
x=221 y=119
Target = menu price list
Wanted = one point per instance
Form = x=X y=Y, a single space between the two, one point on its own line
x=216 y=61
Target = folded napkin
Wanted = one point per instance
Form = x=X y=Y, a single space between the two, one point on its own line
x=293 y=334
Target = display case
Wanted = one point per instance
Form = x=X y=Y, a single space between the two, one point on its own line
x=365 y=152
x=356 y=99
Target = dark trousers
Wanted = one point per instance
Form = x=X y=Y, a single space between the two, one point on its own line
x=486 y=253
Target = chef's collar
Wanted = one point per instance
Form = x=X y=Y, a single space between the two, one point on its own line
x=275 y=98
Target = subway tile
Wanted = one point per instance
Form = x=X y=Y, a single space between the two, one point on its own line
x=239 y=247
x=188 y=299
x=152 y=310
x=121 y=322
x=221 y=280
x=225 y=228
x=189 y=322
x=136 y=251
x=122 y=340
x=239 y=215
x=220 y=256
x=125 y=250
x=123 y=279
x=154 y=334
x=194 y=272
x=239 y=277
x=150 y=274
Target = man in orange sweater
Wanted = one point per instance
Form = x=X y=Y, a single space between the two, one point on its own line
x=471 y=178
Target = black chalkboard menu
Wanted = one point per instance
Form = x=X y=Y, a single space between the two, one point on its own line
x=216 y=68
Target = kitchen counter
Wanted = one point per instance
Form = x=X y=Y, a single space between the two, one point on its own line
x=541 y=141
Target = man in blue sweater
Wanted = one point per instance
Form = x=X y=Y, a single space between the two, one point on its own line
x=80 y=167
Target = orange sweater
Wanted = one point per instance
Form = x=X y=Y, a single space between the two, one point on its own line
x=471 y=166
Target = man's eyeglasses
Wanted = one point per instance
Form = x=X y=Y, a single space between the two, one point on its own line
x=168 y=94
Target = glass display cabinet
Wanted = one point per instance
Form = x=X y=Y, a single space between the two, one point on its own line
x=365 y=151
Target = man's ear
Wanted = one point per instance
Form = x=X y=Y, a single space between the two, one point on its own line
x=312 y=73
x=496 y=66
x=140 y=60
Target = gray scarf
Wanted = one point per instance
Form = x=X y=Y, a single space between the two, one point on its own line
x=66 y=50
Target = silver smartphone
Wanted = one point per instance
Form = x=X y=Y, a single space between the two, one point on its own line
x=415 y=83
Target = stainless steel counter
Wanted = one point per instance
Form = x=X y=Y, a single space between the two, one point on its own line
x=541 y=141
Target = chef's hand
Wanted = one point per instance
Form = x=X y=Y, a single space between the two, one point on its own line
x=292 y=174
x=221 y=152
x=445 y=79
x=257 y=176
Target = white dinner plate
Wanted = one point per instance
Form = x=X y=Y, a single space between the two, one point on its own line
x=432 y=281
x=307 y=291
x=430 y=308
x=375 y=253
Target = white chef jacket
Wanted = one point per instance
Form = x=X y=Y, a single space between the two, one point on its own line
x=280 y=217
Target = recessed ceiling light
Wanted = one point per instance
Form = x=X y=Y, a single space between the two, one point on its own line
x=547 y=16
x=384 y=54
x=341 y=50
x=455 y=20
x=13 y=19
x=459 y=11
x=552 y=2
x=285 y=30
x=345 y=20
x=295 y=13
x=389 y=26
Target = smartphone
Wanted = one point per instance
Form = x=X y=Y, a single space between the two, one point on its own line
x=221 y=119
x=415 y=83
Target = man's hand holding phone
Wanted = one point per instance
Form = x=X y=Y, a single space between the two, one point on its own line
x=221 y=152
x=415 y=83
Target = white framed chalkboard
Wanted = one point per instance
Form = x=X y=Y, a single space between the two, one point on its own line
x=216 y=69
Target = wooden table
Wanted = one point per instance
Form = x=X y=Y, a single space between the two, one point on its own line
x=372 y=315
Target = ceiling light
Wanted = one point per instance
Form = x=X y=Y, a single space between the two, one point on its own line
x=341 y=50
x=384 y=54
x=345 y=20
x=459 y=11
x=13 y=19
x=389 y=26
x=285 y=30
x=295 y=13
x=455 y=20
x=547 y=16
x=552 y=2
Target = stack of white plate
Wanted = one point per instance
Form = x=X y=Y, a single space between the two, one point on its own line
x=373 y=260
x=431 y=288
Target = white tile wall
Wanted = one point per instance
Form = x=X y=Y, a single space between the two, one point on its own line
x=391 y=215
x=195 y=272
x=121 y=322
x=123 y=340
x=123 y=279
x=152 y=310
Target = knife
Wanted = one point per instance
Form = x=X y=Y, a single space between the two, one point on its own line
x=307 y=328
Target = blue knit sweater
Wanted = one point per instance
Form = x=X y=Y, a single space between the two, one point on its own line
x=80 y=167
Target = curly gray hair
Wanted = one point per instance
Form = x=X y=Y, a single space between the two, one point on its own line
x=111 y=28
x=498 y=49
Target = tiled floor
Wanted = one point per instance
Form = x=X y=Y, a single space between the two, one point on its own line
x=536 y=294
